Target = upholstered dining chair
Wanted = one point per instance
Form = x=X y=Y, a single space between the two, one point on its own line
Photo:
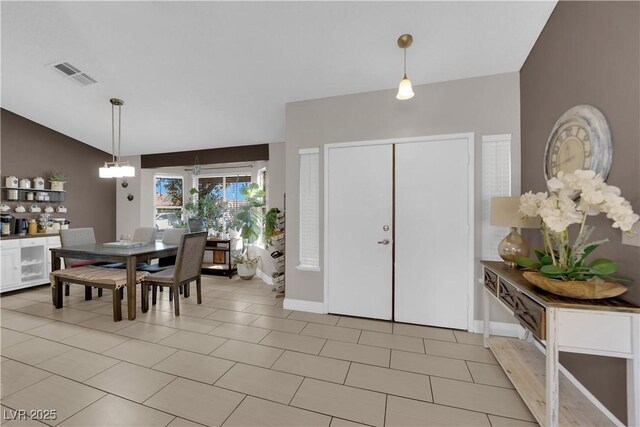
x=140 y=234
x=171 y=236
x=76 y=237
x=186 y=270
x=144 y=234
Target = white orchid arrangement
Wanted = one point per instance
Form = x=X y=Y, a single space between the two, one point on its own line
x=561 y=259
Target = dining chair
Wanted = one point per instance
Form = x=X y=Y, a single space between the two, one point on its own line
x=144 y=234
x=188 y=268
x=171 y=236
x=140 y=234
x=76 y=237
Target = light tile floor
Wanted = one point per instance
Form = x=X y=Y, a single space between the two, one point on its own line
x=240 y=359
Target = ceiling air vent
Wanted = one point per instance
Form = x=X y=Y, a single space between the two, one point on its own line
x=69 y=71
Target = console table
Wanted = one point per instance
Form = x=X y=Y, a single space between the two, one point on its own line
x=609 y=327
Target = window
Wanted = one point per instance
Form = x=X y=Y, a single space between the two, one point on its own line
x=496 y=182
x=226 y=187
x=309 y=210
x=167 y=201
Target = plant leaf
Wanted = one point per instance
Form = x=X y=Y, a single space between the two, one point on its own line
x=605 y=268
x=539 y=254
x=552 y=270
x=546 y=260
x=528 y=263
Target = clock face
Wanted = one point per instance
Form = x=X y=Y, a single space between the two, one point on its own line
x=570 y=150
x=580 y=139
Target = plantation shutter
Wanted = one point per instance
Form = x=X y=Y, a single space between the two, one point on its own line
x=496 y=182
x=309 y=210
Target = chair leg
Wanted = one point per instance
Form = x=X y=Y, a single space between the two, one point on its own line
x=161 y=290
x=170 y=294
x=117 y=308
x=87 y=293
x=187 y=290
x=176 y=302
x=154 y=294
x=199 y=289
x=144 y=297
x=66 y=289
x=99 y=292
x=180 y=288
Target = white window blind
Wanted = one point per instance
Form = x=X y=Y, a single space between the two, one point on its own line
x=496 y=182
x=309 y=210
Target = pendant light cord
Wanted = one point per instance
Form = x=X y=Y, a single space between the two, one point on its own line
x=119 y=130
x=405 y=62
x=113 y=133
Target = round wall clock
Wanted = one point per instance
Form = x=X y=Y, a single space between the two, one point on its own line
x=580 y=139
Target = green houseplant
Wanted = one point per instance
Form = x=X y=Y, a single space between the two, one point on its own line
x=247 y=266
x=250 y=214
x=57 y=180
x=202 y=212
x=271 y=225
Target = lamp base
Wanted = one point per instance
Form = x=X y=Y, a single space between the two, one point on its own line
x=512 y=247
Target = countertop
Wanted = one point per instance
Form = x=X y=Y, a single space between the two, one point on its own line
x=28 y=236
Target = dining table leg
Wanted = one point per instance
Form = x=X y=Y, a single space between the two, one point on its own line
x=131 y=287
x=55 y=265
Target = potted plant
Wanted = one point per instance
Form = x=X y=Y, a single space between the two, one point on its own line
x=250 y=214
x=271 y=225
x=57 y=180
x=201 y=212
x=246 y=265
x=562 y=266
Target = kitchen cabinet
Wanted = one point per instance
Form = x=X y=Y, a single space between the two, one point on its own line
x=26 y=262
x=10 y=264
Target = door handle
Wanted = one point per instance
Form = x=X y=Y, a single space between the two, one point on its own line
x=384 y=242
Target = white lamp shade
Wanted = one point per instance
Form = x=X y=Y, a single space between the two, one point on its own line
x=505 y=213
x=405 y=91
x=105 y=172
x=116 y=171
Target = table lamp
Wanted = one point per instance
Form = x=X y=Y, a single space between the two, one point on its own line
x=504 y=212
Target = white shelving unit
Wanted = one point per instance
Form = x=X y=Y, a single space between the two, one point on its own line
x=26 y=262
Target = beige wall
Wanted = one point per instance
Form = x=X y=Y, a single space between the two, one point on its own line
x=29 y=149
x=589 y=53
x=484 y=105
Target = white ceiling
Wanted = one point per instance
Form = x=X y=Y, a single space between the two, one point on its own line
x=212 y=74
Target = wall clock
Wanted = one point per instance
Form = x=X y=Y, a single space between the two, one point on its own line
x=580 y=139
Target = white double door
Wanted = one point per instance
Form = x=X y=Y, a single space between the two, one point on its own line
x=398 y=231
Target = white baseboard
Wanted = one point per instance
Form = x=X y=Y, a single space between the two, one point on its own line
x=301 y=305
x=264 y=277
x=498 y=328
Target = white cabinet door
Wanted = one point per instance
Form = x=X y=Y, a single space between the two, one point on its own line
x=10 y=264
x=360 y=215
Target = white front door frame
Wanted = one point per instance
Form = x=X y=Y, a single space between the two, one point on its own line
x=470 y=137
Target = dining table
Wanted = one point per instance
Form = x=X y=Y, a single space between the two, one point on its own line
x=129 y=256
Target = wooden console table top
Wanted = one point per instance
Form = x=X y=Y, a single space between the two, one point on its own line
x=546 y=299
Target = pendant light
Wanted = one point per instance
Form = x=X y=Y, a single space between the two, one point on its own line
x=116 y=168
x=405 y=91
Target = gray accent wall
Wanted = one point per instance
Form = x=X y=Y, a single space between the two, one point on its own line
x=589 y=53
x=483 y=105
x=29 y=149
